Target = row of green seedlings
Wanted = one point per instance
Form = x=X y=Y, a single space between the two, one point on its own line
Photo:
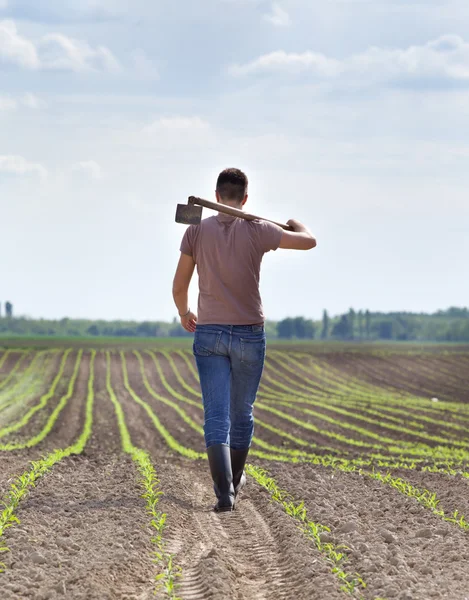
x=419 y=453
x=259 y=422
x=286 y=394
x=351 y=390
x=352 y=398
x=197 y=404
x=432 y=373
x=396 y=446
x=403 y=373
x=13 y=371
x=433 y=370
x=324 y=460
x=350 y=394
x=334 y=554
x=42 y=404
x=327 y=382
x=328 y=461
x=3 y=358
x=22 y=485
x=168 y=572
x=423 y=496
x=446 y=448
x=30 y=379
x=304 y=399
x=331 y=552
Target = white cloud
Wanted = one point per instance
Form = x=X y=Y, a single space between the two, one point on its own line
x=31 y=101
x=90 y=168
x=7 y=103
x=290 y=62
x=185 y=136
x=178 y=124
x=278 y=17
x=16 y=49
x=27 y=100
x=440 y=60
x=17 y=165
x=142 y=65
x=53 y=51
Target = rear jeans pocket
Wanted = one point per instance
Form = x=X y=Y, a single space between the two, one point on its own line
x=206 y=343
x=252 y=350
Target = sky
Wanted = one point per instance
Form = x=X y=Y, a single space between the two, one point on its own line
x=351 y=116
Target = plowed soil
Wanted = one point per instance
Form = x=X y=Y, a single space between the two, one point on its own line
x=84 y=531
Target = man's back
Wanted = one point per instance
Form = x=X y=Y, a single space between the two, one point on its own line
x=228 y=253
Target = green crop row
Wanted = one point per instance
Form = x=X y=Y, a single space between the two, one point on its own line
x=32 y=375
x=4 y=356
x=12 y=373
x=256 y=441
x=334 y=555
x=20 y=488
x=42 y=402
x=423 y=496
x=402 y=400
x=169 y=439
x=302 y=397
x=168 y=571
x=325 y=387
x=358 y=464
x=417 y=450
x=37 y=439
x=334 y=405
x=444 y=456
x=366 y=433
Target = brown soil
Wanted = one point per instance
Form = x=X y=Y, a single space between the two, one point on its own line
x=255 y=552
x=402 y=374
x=68 y=425
x=84 y=529
x=399 y=548
x=9 y=363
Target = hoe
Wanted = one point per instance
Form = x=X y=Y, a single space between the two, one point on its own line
x=191 y=213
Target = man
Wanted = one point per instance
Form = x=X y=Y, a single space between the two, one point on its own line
x=229 y=342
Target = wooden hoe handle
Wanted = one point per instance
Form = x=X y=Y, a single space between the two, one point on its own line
x=234 y=212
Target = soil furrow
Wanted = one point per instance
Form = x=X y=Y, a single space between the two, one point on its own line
x=257 y=552
x=401 y=549
x=84 y=529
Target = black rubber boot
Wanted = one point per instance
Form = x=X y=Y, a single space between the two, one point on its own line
x=220 y=466
x=238 y=460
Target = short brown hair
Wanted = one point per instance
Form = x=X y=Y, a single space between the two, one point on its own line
x=232 y=184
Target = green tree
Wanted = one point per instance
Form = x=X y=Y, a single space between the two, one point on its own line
x=386 y=330
x=368 y=324
x=351 y=320
x=9 y=309
x=285 y=329
x=341 y=329
x=325 y=326
x=360 y=324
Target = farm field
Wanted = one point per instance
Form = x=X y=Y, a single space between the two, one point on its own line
x=358 y=477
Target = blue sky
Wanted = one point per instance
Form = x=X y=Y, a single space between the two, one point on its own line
x=350 y=115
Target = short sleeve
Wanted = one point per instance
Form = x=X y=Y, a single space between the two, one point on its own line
x=270 y=236
x=187 y=244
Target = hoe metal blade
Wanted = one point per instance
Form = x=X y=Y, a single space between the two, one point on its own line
x=188 y=214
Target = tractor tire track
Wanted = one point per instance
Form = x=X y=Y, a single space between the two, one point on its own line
x=254 y=553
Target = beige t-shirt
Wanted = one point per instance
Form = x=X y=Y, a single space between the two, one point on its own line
x=228 y=253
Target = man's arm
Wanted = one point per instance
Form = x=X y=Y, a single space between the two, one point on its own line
x=298 y=239
x=182 y=279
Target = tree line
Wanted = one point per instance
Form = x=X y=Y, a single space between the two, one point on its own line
x=451 y=325
x=8 y=310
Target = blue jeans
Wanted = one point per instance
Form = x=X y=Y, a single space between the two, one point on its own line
x=230 y=360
